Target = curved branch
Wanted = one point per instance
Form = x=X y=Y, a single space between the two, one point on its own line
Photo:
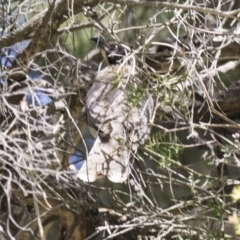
x=157 y=4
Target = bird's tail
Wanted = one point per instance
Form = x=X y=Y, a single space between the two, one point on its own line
x=108 y=157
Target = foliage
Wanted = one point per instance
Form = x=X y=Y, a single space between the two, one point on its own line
x=185 y=54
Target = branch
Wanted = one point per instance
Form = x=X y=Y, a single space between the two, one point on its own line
x=159 y=5
x=158 y=58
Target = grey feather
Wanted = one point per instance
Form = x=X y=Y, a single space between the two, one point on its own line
x=121 y=125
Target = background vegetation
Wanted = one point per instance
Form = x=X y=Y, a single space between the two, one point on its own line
x=187 y=53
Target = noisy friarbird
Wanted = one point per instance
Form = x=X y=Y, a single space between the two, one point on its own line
x=119 y=109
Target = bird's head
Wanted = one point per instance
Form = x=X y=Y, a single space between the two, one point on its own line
x=113 y=52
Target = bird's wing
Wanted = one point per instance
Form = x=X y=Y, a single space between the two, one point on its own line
x=137 y=123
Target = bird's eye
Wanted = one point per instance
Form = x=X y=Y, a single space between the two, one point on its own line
x=113 y=47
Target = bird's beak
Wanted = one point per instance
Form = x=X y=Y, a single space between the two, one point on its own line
x=100 y=42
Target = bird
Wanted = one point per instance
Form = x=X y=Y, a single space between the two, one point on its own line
x=119 y=111
x=111 y=51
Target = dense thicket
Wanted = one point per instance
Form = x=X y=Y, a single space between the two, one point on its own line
x=187 y=55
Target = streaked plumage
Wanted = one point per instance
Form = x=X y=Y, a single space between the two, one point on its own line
x=120 y=122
